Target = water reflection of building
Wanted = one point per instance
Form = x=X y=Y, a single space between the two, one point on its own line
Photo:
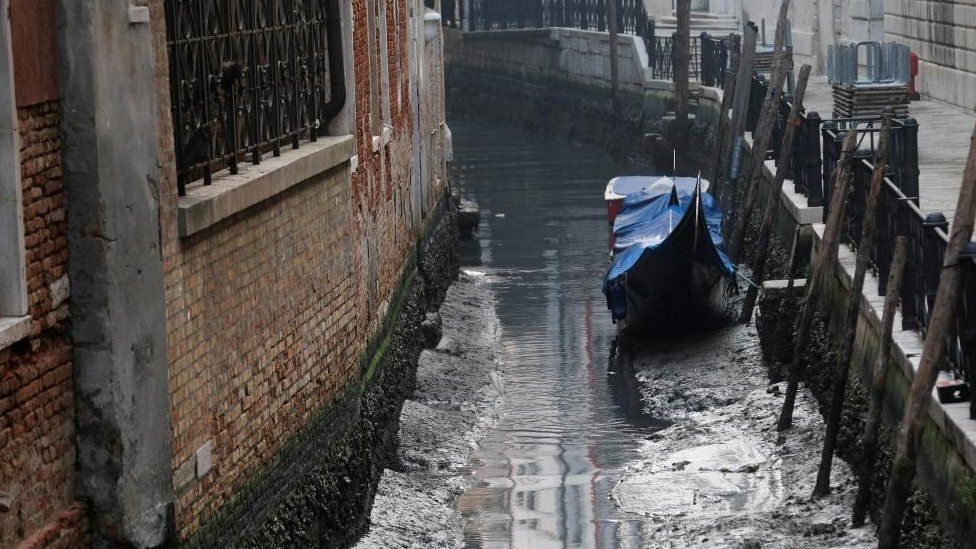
x=547 y=469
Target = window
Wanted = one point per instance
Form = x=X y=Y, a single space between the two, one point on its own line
x=250 y=78
x=380 y=119
x=13 y=283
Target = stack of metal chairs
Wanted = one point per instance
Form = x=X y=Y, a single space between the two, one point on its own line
x=867 y=77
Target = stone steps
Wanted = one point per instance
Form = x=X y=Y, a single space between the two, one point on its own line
x=713 y=23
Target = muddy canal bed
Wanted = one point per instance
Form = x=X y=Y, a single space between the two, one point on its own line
x=458 y=390
x=721 y=475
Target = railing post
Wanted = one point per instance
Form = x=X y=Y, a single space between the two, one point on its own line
x=932 y=258
x=833 y=140
x=706 y=60
x=912 y=285
x=909 y=160
x=857 y=201
x=966 y=320
x=812 y=165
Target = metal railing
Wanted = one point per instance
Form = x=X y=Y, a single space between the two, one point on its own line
x=249 y=78
x=812 y=165
x=710 y=56
x=716 y=57
x=899 y=214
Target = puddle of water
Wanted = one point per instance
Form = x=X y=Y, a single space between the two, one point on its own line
x=569 y=426
x=712 y=480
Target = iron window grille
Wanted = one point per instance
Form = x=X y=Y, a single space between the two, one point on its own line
x=249 y=77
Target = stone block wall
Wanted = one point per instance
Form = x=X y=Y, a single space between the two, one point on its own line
x=943 y=34
x=37 y=413
x=577 y=56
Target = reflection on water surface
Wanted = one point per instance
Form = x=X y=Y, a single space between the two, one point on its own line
x=569 y=426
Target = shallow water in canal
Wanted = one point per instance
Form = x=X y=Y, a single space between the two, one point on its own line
x=568 y=427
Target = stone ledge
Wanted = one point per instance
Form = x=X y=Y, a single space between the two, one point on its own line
x=13 y=329
x=951 y=419
x=204 y=206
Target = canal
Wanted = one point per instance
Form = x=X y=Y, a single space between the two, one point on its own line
x=569 y=426
x=668 y=444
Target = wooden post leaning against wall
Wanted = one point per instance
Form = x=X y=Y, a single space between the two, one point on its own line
x=682 y=60
x=740 y=106
x=775 y=196
x=920 y=395
x=879 y=379
x=862 y=263
x=821 y=267
x=764 y=130
x=728 y=96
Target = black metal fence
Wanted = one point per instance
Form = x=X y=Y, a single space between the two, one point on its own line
x=716 y=57
x=812 y=165
x=248 y=78
x=580 y=14
x=899 y=214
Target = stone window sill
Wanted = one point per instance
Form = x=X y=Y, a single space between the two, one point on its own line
x=206 y=205
x=13 y=329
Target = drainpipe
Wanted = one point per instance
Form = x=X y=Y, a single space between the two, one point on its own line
x=337 y=71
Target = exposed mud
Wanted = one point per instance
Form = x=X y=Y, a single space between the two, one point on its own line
x=458 y=390
x=721 y=475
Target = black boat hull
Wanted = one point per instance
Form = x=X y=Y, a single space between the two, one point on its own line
x=680 y=286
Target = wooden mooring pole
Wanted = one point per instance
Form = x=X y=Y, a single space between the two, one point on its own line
x=819 y=273
x=794 y=251
x=775 y=196
x=614 y=63
x=728 y=96
x=740 y=107
x=854 y=295
x=879 y=379
x=682 y=60
x=764 y=130
x=920 y=395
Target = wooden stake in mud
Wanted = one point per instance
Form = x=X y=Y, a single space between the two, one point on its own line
x=682 y=59
x=740 y=107
x=794 y=250
x=821 y=268
x=764 y=130
x=775 y=196
x=614 y=63
x=863 y=261
x=920 y=395
x=878 y=381
x=728 y=93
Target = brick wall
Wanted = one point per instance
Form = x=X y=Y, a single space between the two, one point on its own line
x=37 y=452
x=268 y=312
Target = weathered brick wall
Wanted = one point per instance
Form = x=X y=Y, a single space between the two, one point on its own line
x=269 y=312
x=37 y=451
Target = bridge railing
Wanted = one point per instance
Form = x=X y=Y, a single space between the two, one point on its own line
x=710 y=56
x=716 y=57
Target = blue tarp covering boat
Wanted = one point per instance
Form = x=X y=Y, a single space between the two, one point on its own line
x=669 y=258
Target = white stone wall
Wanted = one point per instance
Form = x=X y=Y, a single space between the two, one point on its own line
x=584 y=57
x=943 y=34
x=577 y=56
x=819 y=23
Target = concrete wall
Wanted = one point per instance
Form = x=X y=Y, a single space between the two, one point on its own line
x=943 y=34
x=111 y=163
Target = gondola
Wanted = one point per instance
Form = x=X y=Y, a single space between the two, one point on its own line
x=669 y=269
